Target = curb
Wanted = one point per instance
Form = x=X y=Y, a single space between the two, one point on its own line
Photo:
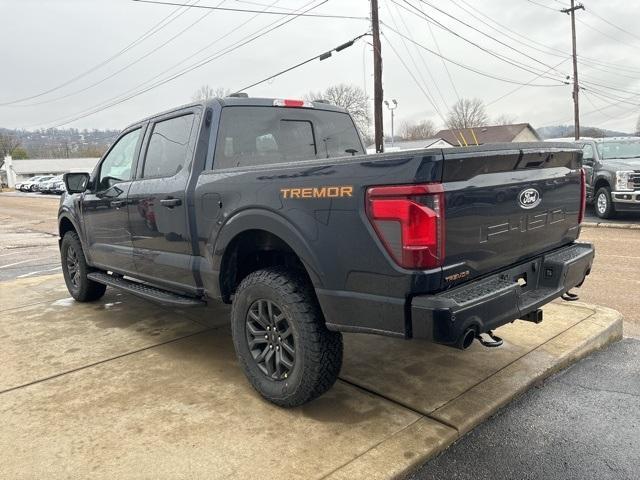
x=403 y=452
x=623 y=226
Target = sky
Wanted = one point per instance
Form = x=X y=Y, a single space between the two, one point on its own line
x=64 y=61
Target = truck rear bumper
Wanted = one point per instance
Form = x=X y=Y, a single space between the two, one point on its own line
x=501 y=298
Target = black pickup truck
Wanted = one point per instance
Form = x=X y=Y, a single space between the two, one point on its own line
x=273 y=206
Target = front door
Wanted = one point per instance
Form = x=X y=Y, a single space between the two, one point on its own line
x=158 y=205
x=104 y=206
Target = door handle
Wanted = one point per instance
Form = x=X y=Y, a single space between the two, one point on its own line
x=170 y=202
x=118 y=203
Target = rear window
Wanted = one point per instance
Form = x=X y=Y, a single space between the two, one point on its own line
x=264 y=135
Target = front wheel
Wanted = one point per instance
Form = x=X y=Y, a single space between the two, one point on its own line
x=75 y=270
x=282 y=342
x=604 y=205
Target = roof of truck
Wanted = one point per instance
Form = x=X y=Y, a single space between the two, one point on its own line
x=240 y=101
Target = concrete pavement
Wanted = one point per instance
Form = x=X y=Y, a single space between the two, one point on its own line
x=124 y=388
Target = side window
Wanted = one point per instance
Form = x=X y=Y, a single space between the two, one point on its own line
x=168 y=150
x=587 y=152
x=117 y=165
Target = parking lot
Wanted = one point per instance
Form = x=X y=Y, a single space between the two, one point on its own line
x=123 y=386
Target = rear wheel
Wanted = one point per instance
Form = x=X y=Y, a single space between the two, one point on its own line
x=75 y=270
x=281 y=340
x=603 y=204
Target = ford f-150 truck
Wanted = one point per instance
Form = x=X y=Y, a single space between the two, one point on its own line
x=273 y=206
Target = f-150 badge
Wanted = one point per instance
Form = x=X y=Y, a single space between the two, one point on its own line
x=318 y=192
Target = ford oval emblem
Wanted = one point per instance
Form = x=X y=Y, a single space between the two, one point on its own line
x=529 y=198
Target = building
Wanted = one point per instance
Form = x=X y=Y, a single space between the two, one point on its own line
x=399 y=145
x=518 y=132
x=25 y=169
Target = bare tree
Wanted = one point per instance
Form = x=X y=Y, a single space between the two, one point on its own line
x=417 y=131
x=350 y=97
x=504 y=119
x=206 y=92
x=8 y=144
x=467 y=113
x=637 y=132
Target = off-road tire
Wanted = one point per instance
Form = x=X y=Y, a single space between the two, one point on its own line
x=81 y=288
x=604 y=195
x=318 y=351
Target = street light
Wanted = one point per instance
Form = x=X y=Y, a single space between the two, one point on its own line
x=392 y=108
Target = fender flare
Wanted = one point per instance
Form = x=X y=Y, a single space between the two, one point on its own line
x=67 y=214
x=275 y=224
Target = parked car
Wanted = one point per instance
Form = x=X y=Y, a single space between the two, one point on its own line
x=59 y=187
x=48 y=185
x=33 y=183
x=612 y=167
x=273 y=206
x=25 y=186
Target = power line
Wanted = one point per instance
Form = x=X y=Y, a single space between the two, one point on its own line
x=618 y=27
x=243 y=10
x=521 y=86
x=411 y=74
x=444 y=64
x=511 y=47
x=419 y=72
x=467 y=67
x=494 y=54
x=152 y=31
x=321 y=56
x=240 y=43
x=127 y=66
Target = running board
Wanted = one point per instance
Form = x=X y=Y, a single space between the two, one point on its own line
x=157 y=295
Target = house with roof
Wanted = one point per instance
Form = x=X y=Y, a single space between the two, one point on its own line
x=25 y=169
x=399 y=145
x=517 y=132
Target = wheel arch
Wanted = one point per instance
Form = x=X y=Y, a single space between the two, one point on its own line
x=265 y=234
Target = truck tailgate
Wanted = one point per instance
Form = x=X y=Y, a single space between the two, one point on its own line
x=506 y=205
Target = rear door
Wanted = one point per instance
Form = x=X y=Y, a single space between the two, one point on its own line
x=588 y=163
x=104 y=206
x=158 y=203
x=505 y=205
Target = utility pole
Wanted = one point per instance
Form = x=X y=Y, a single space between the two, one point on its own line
x=392 y=108
x=377 y=79
x=576 y=106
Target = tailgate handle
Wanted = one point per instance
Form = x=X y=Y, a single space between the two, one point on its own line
x=170 y=202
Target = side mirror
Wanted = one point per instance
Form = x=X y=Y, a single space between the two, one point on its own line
x=76 y=182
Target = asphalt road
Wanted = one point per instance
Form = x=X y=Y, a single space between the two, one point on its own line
x=583 y=423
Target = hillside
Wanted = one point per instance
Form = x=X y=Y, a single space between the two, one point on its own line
x=61 y=143
x=560 y=131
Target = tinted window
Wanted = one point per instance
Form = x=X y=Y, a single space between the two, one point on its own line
x=118 y=163
x=168 y=150
x=264 y=135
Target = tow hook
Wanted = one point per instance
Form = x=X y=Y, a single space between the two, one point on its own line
x=570 y=297
x=492 y=341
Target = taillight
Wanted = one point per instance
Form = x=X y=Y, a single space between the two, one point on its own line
x=288 y=102
x=583 y=195
x=409 y=220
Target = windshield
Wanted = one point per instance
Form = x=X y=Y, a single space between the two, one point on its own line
x=619 y=149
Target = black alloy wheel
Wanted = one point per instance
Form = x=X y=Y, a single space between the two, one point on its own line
x=73 y=267
x=270 y=339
